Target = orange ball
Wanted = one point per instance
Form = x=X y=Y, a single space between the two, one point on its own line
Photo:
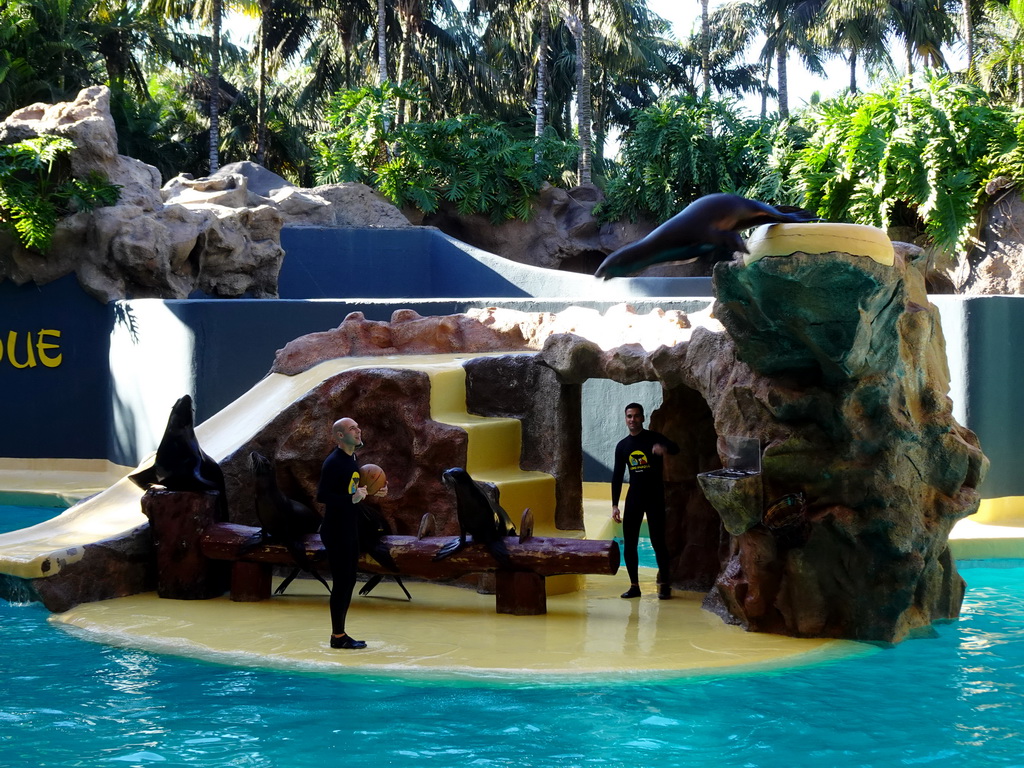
x=373 y=477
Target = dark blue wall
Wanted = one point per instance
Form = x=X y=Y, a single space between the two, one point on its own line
x=423 y=263
x=65 y=405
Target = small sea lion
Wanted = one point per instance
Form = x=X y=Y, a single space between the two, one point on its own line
x=282 y=520
x=707 y=229
x=180 y=464
x=373 y=527
x=479 y=517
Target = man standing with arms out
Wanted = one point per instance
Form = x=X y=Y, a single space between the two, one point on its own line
x=340 y=492
x=642 y=451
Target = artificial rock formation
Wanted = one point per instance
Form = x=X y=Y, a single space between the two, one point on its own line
x=837 y=366
x=218 y=236
x=996 y=264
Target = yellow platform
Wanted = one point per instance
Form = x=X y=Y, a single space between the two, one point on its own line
x=455 y=632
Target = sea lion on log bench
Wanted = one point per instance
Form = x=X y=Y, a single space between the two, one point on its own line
x=706 y=229
x=282 y=520
x=487 y=523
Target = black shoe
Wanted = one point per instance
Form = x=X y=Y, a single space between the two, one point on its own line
x=664 y=591
x=346 y=642
x=633 y=591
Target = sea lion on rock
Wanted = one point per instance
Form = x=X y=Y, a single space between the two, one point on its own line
x=282 y=520
x=485 y=521
x=707 y=229
x=180 y=464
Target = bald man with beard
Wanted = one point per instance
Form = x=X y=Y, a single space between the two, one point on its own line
x=340 y=491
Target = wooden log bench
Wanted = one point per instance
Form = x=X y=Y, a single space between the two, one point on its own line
x=183 y=533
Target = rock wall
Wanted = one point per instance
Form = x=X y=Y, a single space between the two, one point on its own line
x=996 y=265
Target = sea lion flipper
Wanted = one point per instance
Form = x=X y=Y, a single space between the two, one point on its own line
x=287 y=582
x=298 y=554
x=500 y=552
x=449 y=549
x=526 y=526
x=398 y=579
x=371 y=582
x=145 y=478
x=381 y=554
x=426 y=526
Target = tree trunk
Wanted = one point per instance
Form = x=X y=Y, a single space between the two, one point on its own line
x=382 y=57
x=403 y=58
x=968 y=32
x=584 y=108
x=783 y=77
x=539 y=104
x=705 y=48
x=215 y=89
x=853 y=71
x=261 y=102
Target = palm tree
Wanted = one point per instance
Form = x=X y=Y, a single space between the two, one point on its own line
x=786 y=27
x=730 y=31
x=861 y=34
x=1001 y=37
x=924 y=26
x=580 y=27
x=285 y=25
x=206 y=12
x=539 y=104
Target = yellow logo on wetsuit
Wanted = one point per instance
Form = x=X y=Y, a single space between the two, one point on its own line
x=353 y=483
x=638 y=460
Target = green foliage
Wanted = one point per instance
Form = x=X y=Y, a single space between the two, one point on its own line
x=159 y=130
x=478 y=165
x=37 y=189
x=920 y=150
x=670 y=158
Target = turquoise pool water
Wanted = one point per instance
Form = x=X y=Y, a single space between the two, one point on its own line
x=957 y=699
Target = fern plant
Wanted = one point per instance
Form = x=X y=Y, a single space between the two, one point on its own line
x=676 y=151
x=37 y=189
x=924 y=150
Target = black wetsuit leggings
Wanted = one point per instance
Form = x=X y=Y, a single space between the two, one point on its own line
x=341 y=540
x=632 y=517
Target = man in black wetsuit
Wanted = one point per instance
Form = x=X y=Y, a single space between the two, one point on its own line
x=642 y=451
x=340 y=492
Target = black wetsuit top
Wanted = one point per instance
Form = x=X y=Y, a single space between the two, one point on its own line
x=645 y=466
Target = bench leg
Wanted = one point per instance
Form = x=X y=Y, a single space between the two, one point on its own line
x=520 y=593
x=250 y=582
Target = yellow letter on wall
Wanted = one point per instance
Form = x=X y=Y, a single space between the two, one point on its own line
x=30 y=362
x=42 y=346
